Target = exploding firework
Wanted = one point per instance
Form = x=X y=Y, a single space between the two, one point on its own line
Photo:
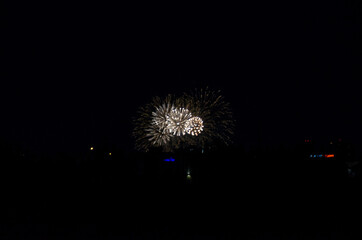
x=177 y=121
x=197 y=119
x=215 y=121
x=194 y=126
x=151 y=125
x=158 y=132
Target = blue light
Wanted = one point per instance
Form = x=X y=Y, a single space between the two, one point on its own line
x=316 y=155
x=169 y=159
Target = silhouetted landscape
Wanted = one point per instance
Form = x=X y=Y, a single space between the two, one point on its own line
x=230 y=192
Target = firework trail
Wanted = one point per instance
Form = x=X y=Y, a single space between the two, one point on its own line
x=197 y=119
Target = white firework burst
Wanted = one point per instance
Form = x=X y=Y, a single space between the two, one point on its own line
x=158 y=132
x=169 y=122
x=177 y=120
x=194 y=126
x=160 y=116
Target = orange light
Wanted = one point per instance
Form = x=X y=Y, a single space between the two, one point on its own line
x=329 y=155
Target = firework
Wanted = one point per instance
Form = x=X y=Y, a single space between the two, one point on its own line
x=151 y=125
x=195 y=119
x=177 y=121
x=194 y=126
x=215 y=121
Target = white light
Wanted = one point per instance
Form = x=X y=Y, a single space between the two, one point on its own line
x=194 y=126
x=168 y=121
x=177 y=120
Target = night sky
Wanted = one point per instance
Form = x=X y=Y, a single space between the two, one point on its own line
x=74 y=75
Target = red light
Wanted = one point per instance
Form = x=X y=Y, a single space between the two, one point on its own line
x=329 y=155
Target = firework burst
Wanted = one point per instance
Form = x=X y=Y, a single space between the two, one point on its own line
x=177 y=121
x=215 y=114
x=197 y=119
x=151 y=125
x=194 y=126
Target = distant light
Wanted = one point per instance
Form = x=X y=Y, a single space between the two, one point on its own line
x=91 y=148
x=331 y=142
x=188 y=176
x=321 y=155
x=110 y=154
x=169 y=159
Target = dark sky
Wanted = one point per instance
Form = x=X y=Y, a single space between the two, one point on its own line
x=77 y=73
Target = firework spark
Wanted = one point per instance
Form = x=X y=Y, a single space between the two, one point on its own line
x=177 y=120
x=194 y=126
x=151 y=125
x=215 y=114
x=199 y=118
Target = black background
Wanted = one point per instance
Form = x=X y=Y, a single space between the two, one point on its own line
x=76 y=74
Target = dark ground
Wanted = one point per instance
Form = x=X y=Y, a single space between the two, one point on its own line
x=131 y=196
